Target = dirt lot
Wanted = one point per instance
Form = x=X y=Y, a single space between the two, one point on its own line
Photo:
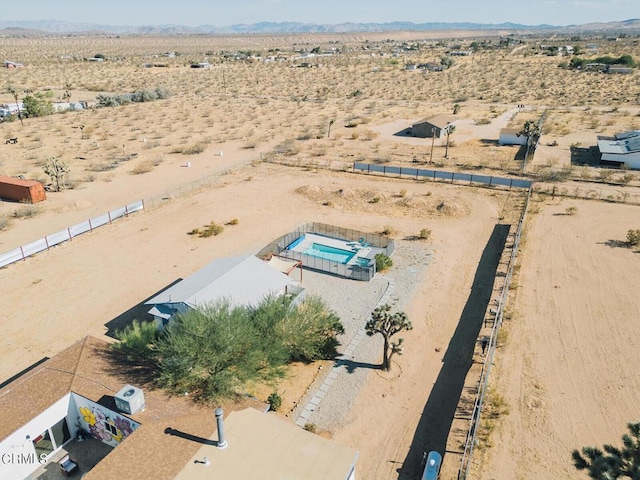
x=567 y=369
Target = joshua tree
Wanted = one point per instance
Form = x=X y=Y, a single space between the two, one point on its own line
x=331 y=122
x=613 y=462
x=56 y=169
x=449 y=129
x=14 y=92
x=387 y=324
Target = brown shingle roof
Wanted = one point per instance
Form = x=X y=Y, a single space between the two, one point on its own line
x=84 y=368
x=439 y=121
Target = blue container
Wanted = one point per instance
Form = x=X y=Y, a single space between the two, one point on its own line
x=432 y=468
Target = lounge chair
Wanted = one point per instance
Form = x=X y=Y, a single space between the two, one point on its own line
x=68 y=465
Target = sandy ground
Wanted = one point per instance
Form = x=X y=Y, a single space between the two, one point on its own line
x=83 y=286
x=569 y=370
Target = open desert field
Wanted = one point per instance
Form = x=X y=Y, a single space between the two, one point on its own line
x=267 y=135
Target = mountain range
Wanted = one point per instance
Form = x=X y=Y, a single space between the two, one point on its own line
x=44 y=27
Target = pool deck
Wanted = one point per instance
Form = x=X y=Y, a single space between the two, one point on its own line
x=349 y=246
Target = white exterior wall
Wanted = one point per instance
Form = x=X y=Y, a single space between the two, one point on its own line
x=630 y=160
x=17 y=454
x=512 y=139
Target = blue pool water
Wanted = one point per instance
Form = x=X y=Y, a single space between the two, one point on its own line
x=329 y=253
x=293 y=244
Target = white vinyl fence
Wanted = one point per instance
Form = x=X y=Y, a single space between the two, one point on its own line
x=21 y=253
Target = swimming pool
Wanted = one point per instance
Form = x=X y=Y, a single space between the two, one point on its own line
x=329 y=253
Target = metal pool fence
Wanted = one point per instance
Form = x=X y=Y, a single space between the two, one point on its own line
x=435 y=175
x=355 y=272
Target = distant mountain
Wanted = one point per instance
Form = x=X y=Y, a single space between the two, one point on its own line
x=62 y=27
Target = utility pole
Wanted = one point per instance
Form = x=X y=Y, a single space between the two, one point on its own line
x=433 y=139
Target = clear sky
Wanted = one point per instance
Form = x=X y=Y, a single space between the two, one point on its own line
x=228 y=12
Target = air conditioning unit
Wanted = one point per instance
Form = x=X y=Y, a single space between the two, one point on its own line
x=130 y=399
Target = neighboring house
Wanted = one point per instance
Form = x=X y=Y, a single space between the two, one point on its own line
x=201 y=65
x=622 y=150
x=66 y=106
x=432 y=127
x=461 y=53
x=509 y=136
x=244 y=280
x=619 y=69
x=75 y=394
x=10 y=64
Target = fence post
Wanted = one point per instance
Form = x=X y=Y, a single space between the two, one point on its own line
x=90 y=226
x=109 y=215
x=47 y=242
x=490 y=180
x=69 y=232
x=510 y=183
x=22 y=252
x=126 y=211
x=452 y=176
x=471 y=179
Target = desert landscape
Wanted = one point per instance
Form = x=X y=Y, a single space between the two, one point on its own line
x=267 y=134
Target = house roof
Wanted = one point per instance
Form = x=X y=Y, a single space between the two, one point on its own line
x=241 y=280
x=439 y=121
x=260 y=445
x=622 y=144
x=84 y=368
x=510 y=131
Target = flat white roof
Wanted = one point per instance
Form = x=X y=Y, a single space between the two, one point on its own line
x=263 y=446
x=244 y=280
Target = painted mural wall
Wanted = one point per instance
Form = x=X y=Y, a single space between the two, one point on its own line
x=106 y=425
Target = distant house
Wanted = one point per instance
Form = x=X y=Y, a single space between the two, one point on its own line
x=411 y=66
x=461 y=53
x=238 y=280
x=619 y=69
x=509 y=136
x=622 y=150
x=205 y=65
x=95 y=59
x=10 y=64
x=432 y=127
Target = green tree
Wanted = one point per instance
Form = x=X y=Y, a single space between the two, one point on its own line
x=387 y=325
x=56 y=169
x=612 y=462
x=382 y=262
x=38 y=104
x=215 y=351
x=14 y=94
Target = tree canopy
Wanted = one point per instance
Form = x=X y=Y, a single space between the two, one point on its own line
x=215 y=351
x=612 y=462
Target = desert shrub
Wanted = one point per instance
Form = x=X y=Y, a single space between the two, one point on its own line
x=233 y=221
x=388 y=230
x=310 y=427
x=142 y=167
x=633 y=238
x=211 y=230
x=4 y=223
x=383 y=262
x=196 y=148
x=26 y=211
x=403 y=193
x=374 y=200
x=275 y=401
x=483 y=121
x=425 y=234
x=571 y=210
